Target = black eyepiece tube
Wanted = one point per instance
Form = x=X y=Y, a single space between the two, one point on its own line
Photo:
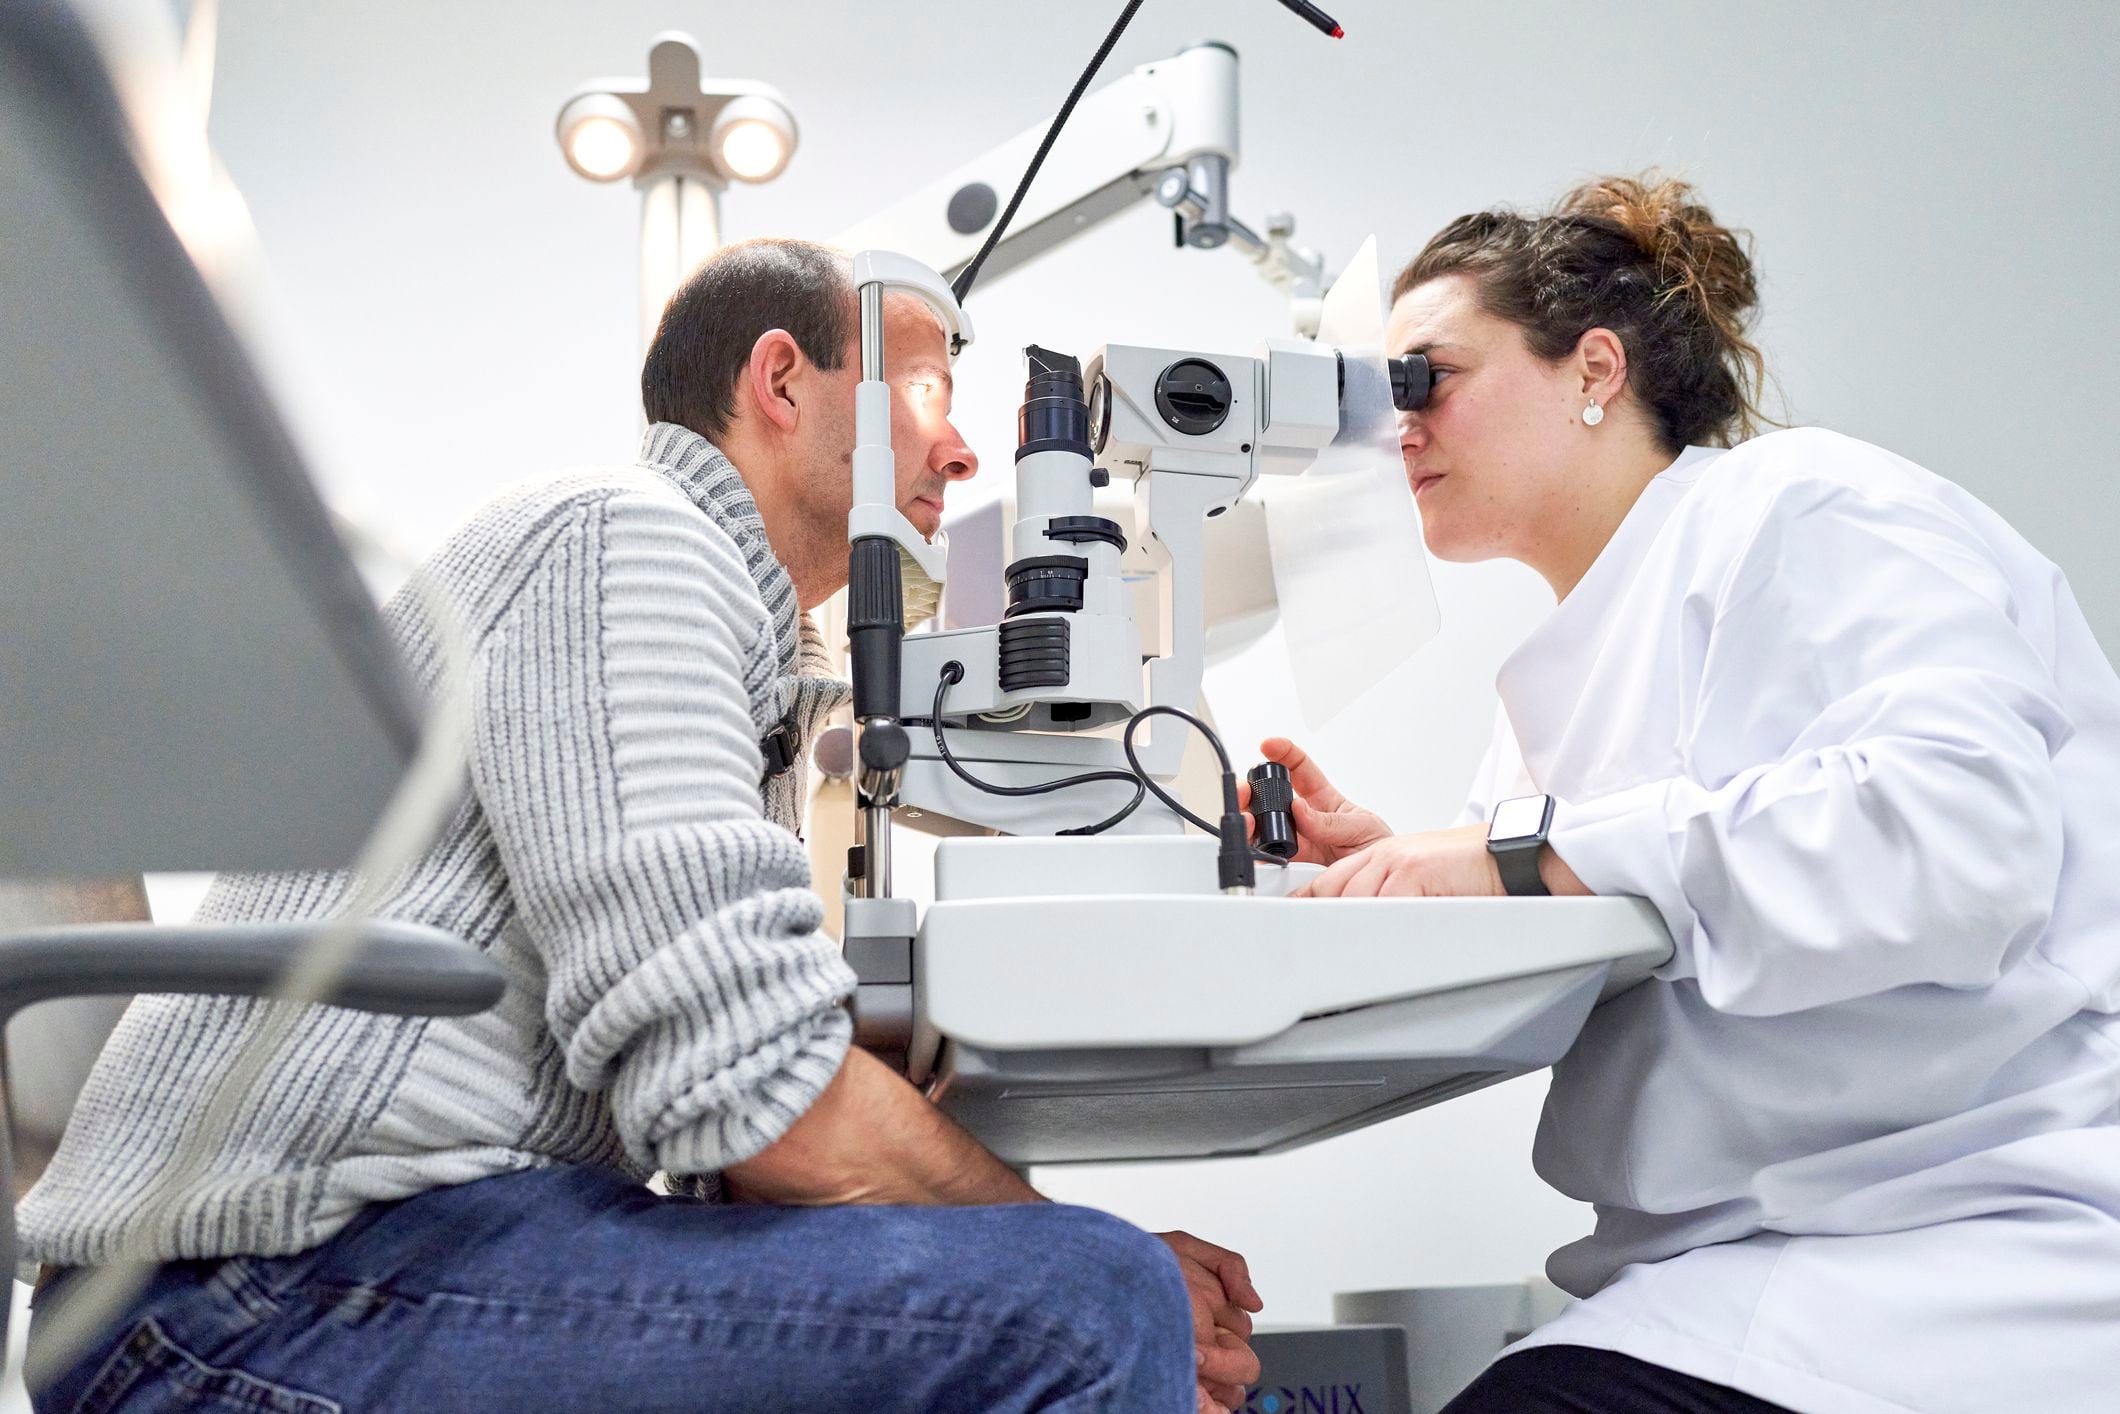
x=1273 y=809
x=1411 y=380
x=1054 y=415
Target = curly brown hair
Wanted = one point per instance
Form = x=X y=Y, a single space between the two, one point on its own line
x=1640 y=256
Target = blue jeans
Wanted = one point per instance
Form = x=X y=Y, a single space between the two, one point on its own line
x=577 y=1290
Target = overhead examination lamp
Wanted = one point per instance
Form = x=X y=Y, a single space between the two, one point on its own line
x=682 y=139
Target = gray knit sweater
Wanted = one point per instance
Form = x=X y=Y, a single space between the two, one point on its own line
x=671 y=1003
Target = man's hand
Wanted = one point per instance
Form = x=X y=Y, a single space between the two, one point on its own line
x=1329 y=826
x=1223 y=1298
x=872 y=1138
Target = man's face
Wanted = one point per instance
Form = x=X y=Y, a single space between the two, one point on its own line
x=927 y=447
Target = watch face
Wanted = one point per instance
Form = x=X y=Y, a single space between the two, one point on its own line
x=1518 y=819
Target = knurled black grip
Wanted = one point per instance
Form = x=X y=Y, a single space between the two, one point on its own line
x=1273 y=809
x=1270 y=789
x=875 y=625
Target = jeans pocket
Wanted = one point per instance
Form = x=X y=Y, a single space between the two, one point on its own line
x=151 y=1374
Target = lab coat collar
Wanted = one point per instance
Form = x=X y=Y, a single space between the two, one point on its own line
x=711 y=482
x=1541 y=683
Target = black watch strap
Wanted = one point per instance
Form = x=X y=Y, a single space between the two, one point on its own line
x=1526 y=821
x=1519 y=866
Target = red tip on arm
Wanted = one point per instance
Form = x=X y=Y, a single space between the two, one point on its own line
x=1338 y=33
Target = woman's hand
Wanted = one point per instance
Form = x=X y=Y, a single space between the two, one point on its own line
x=1436 y=864
x=1329 y=826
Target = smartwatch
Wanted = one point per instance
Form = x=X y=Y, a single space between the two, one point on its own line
x=1515 y=837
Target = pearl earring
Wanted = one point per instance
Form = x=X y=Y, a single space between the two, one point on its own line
x=1593 y=414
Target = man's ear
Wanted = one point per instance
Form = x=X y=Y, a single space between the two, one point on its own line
x=1603 y=360
x=776 y=362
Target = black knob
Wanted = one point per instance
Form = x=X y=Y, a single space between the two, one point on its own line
x=1273 y=809
x=885 y=746
x=1194 y=396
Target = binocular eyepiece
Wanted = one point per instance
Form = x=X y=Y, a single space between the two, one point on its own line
x=1411 y=380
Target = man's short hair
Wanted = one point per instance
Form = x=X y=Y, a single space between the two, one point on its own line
x=704 y=341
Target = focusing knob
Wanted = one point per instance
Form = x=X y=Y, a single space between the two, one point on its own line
x=1273 y=809
x=1194 y=397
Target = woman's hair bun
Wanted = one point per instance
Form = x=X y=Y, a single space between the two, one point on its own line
x=1643 y=257
x=1695 y=255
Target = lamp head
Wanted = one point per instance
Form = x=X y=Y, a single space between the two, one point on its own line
x=752 y=138
x=600 y=137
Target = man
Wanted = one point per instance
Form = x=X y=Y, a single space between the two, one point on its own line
x=428 y=1214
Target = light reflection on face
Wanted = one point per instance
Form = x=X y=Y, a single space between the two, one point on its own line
x=929 y=451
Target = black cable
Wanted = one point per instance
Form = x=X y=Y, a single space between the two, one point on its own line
x=1136 y=776
x=962 y=285
x=1126 y=742
x=952 y=673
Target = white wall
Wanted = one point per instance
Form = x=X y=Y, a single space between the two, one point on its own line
x=1933 y=187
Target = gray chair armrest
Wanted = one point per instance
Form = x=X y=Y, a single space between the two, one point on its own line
x=405 y=969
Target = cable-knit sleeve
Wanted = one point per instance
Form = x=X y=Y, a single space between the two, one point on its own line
x=616 y=757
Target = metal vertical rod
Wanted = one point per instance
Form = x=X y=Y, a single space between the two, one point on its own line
x=871 y=333
x=877 y=848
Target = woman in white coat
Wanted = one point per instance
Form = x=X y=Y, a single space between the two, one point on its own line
x=1856 y=1146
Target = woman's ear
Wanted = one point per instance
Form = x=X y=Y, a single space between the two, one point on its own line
x=776 y=360
x=1603 y=361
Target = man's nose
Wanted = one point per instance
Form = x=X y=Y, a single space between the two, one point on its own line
x=1413 y=433
x=957 y=460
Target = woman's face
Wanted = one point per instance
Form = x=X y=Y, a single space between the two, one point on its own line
x=1488 y=456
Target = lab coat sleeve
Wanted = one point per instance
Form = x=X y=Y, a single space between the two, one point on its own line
x=1882 y=808
x=615 y=755
x=1499 y=775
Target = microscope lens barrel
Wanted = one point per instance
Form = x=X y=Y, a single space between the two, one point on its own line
x=1055 y=415
x=1273 y=808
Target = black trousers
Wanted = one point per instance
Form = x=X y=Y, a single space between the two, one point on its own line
x=1576 y=1379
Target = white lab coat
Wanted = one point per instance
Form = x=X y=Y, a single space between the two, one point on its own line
x=1857 y=1146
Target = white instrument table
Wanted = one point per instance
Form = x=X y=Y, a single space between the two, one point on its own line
x=1080 y=1000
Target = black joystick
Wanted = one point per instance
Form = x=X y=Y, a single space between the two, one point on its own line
x=1273 y=809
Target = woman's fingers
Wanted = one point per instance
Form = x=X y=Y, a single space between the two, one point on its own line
x=1304 y=774
x=1341 y=829
x=1334 y=879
